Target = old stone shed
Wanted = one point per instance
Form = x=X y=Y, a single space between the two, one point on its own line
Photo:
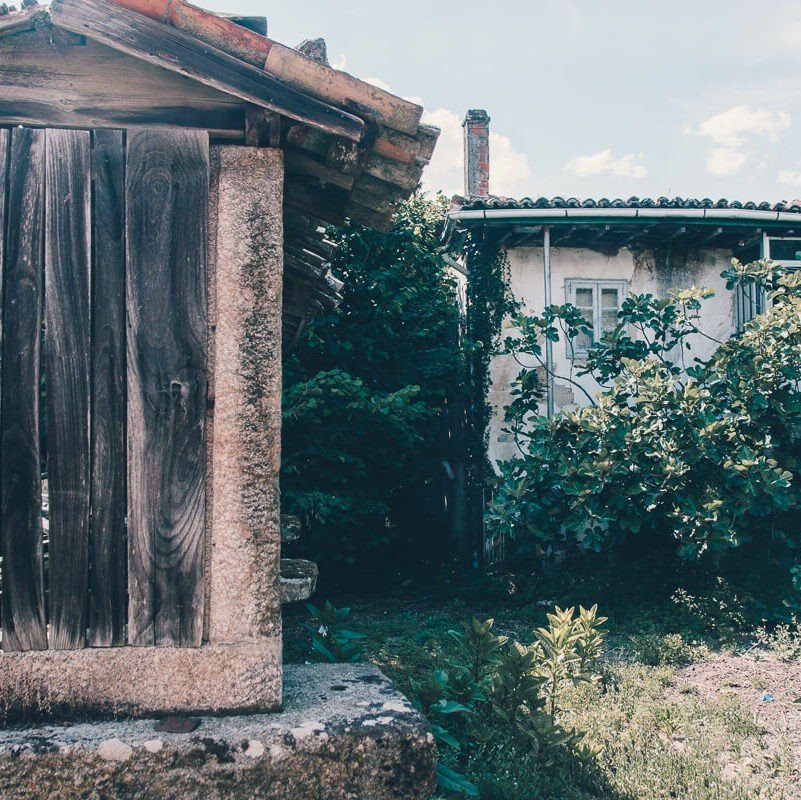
x=164 y=176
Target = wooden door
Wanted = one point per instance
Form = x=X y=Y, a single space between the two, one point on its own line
x=103 y=314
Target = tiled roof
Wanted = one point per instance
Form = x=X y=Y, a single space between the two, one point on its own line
x=488 y=203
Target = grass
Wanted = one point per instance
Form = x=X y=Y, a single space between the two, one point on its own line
x=659 y=736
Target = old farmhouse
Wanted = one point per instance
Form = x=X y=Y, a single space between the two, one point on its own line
x=592 y=253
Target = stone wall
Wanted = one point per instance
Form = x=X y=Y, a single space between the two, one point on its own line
x=643 y=271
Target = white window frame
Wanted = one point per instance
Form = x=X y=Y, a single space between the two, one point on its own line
x=597 y=286
x=757 y=302
x=767 y=239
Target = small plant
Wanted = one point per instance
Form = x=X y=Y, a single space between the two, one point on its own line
x=569 y=647
x=332 y=640
x=432 y=698
x=720 y=613
x=784 y=640
x=670 y=649
x=480 y=651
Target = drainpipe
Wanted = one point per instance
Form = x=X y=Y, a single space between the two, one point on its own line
x=546 y=260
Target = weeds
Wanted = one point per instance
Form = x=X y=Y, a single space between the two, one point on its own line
x=784 y=640
x=332 y=640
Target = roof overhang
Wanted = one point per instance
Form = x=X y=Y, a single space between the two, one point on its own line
x=609 y=229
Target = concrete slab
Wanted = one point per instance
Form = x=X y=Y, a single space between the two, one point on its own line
x=345 y=733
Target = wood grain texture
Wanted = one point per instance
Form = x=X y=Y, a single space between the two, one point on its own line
x=180 y=52
x=166 y=197
x=20 y=497
x=66 y=360
x=4 y=137
x=92 y=86
x=109 y=591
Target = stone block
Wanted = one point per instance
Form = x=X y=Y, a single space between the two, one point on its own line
x=345 y=733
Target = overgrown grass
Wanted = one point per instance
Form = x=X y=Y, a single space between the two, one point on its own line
x=659 y=737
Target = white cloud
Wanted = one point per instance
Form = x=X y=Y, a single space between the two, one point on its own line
x=790 y=177
x=510 y=170
x=731 y=131
x=733 y=128
x=341 y=62
x=725 y=160
x=627 y=166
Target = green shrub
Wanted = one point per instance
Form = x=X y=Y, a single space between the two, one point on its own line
x=707 y=453
x=494 y=679
x=670 y=649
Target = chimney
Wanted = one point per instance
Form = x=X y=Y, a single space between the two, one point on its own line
x=476 y=153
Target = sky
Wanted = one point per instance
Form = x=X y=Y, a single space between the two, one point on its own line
x=620 y=98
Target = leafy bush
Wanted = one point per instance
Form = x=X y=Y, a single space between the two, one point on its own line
x=707 y=453
x=670 y=649
x=367 y=392
x=497 y=679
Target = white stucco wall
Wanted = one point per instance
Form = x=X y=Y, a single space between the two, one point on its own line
x=643 y=272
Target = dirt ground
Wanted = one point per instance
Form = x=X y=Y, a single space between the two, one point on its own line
x=768 y=688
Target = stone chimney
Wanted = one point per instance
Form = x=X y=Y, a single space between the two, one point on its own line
x=476 y=153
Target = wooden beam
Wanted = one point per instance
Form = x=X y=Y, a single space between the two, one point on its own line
x=108 y=597
x=21 y=21
x=57 y=84
x=66 y=356
x=304 y=167
x=262 y=127
x=24 y=626
x=166 y=197
x=179 y=52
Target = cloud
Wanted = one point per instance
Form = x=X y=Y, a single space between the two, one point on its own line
x=510 y=170
x=627 y=166
x=790 y=177
x=725 y=160
x=341 y=62
x=731 y=131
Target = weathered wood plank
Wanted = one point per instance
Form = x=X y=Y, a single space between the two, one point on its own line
x=180 y=52
x=4 y=137
x=91 y=86
x=166 y=197
x=20 y=497
x=108 y=598
x=66 y=360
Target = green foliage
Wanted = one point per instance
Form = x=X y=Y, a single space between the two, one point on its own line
x=783 y=639
x=332 y=640
x=489 y=302
x=705 y=452
x=366 y=390
x=495 y=679
x=669 y=649
x=719 y=614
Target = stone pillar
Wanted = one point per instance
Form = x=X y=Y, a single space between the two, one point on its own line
x=476 y=153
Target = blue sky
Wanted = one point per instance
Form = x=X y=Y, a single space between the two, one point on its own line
x=587 y=98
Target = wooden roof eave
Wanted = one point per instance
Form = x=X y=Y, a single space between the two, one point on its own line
x=285 y=63
x=182 y=53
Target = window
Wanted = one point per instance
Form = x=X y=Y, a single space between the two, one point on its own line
x=599 y=302
x=753 y=300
